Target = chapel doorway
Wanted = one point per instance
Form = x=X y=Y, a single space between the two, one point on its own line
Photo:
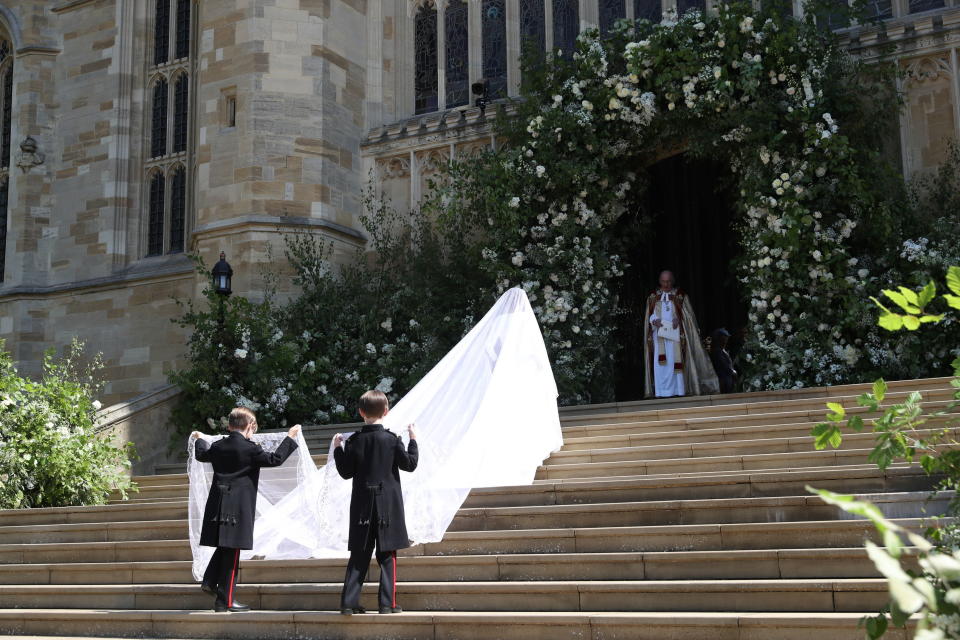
x=689 y=206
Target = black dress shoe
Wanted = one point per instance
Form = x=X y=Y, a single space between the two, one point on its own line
x=391 y=610
x=207 y=589
x=349 y=611
x=234 y=608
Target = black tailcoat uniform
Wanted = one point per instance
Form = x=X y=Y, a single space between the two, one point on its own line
x=232 y=503
x=373 y=459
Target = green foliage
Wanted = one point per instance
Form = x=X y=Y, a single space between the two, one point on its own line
x=932 y=593
x=909 y=431
x=381 y=321
x=51 y=452
x=903 y=429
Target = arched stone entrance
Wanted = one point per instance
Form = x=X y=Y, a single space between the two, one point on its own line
x=689 y=212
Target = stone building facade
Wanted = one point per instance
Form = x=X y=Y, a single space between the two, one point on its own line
x=137 y=132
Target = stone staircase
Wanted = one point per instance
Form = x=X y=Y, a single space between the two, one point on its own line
x=682 y=518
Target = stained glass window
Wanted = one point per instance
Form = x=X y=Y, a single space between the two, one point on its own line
x=828 y=17
x=686 y=5
x=648 y=9
x=783 y=7
x=183 y=28
x=916 y=6
x=181 y=106
x=161 y=32
x=178 y=208
x=158 y=142
x=880 y=9
x=425 y=63
x=610 y=12
x=532 y=27
x=155 y=230
x=4 y=193
x=566 y=25
x=169 y=129
x=7 y=116
x=494 y=13
x=457 y=48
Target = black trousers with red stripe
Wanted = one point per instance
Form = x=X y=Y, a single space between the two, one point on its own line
x=221 y=574
x=357 y=573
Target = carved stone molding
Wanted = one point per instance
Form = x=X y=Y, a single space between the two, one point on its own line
x=433 y=160
x=392 y=168
x=927 y=69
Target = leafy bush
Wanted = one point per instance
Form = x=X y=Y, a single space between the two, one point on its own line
x=909 y=431
x=933 y=592
x=381 y=321
x=51 y=452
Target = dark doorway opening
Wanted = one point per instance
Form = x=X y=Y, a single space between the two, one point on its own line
x=689 y=214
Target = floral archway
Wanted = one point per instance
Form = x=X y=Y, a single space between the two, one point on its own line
x=775 y=98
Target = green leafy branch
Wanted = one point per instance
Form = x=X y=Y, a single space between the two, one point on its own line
x=932 y=591
x=914 y=304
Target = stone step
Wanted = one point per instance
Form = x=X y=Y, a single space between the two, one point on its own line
x=710 y=464
x=784 y=595
x=168 y=468
x=698 y=449
x=166 y=526
x=752 y=403
x=831 y=394
x=696 y=436
x=700 y=537
x=625 y=425
x=852 y=479
x=733 y=564
x=282 y=625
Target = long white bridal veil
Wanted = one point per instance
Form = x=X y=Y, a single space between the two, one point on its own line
x=485 y=415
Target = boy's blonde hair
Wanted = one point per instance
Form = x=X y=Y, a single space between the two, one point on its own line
x=374 y=404
x=241 y=417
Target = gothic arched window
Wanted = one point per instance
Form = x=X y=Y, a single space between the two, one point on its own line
x=425 y=60
x=686 y=5
x=178 y=208
x=648 y=9
x=156 y=211
x=181 y=106
x=158 y=128
x=183 y=28
x=916 y=6
x=532 y=19
x=166 y=174
x=494 y=21
x=566 y=25
x=456 y=46
x=6 y=136
x=610 y=12
x=7 y=132
x=161 y=32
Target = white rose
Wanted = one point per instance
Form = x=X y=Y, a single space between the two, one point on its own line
x=514 y=202
x=97 y=405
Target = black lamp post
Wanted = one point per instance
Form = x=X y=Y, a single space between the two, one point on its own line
x=479 y=89
x=222 y=275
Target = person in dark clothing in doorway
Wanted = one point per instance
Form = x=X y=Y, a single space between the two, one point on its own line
x=722 y=362
x=232 y=502
x=373 y=458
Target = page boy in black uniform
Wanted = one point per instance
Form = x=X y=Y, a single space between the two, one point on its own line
x=232 y=502
x=373 y=458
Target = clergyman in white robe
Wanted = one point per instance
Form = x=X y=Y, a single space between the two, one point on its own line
x=676 y=362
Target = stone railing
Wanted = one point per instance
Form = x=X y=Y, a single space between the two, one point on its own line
x=145 y=421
